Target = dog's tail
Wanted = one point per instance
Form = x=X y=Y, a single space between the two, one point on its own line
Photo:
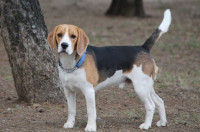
x=163 y=28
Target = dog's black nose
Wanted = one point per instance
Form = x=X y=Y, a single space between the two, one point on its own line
x=64 y=45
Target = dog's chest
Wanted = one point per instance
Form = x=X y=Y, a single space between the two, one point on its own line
x=73 y=80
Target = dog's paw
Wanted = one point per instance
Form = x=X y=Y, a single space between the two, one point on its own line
x=90 y=128
x=145 y=126
x=121 y=86
x=69 y=124
x=161 y=123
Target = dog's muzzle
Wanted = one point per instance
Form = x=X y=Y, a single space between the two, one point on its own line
x=64 y=46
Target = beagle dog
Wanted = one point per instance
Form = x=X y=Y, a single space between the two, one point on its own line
x=88 y=68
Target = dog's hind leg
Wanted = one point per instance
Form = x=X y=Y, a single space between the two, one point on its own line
x=71 y=101
x=143 y=85
x=144 y=94
x=161 y=109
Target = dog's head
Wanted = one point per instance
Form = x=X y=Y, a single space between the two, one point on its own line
x=68 y=39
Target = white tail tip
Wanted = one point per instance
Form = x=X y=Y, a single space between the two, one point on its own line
x=166 y=21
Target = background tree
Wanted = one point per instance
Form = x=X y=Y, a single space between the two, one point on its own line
x=126 y=8
x=33 y=65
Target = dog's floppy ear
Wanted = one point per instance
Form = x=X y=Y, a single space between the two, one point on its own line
x=52 y=39
x=82 y=42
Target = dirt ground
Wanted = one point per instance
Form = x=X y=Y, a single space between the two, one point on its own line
x=177 y=54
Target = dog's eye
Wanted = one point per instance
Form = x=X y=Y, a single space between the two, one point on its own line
x=73 y=36
x=59 y=35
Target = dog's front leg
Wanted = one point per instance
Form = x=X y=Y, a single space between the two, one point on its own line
x=71 y=101
x=91 y=109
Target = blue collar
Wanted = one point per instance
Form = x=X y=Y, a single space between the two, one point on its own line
x=81 y=60
x=78 y=64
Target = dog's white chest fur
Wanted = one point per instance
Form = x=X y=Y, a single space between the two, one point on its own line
x=75 y=79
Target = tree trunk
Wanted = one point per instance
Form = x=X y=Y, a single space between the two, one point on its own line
x=33 y=65
x=126 y=8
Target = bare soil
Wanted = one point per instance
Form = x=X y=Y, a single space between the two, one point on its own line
x=177 y=54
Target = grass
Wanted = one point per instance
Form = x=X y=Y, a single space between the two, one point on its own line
x=179 y=79
x=195 y=44
x=132 y=113
x=187 y=118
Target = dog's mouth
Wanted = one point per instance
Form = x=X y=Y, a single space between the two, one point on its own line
x=64 y=51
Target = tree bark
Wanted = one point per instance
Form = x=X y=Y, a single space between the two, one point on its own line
x=33 y=65
x=126 y=8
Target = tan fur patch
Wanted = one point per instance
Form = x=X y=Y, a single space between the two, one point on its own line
x=73 y=30
x=155 y=71
x=91 y=70
x=148 y=65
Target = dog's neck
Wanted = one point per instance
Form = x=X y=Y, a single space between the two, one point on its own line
x=68 y=61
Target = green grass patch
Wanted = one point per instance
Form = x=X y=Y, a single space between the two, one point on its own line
x=178 y=79
x=131 y=113
x=191 y=118
x=194 y=44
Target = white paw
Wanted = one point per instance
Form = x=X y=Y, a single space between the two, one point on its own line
x=90 y=128
x=145 y=126
x=161 y=123
x=69 y=124
x=121 y=86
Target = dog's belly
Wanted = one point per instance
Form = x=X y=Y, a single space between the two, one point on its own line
x=115 y=80
x=77 y=80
